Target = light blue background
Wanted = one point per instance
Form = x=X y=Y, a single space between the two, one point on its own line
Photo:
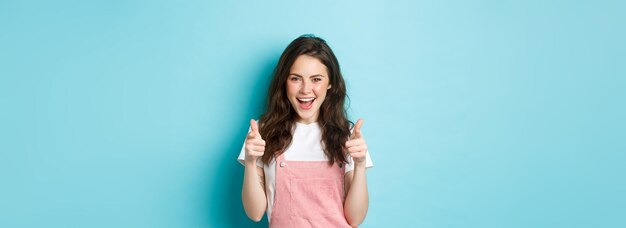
x=477 y=113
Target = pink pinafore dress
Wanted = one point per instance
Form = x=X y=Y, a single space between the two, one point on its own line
x=308 y=194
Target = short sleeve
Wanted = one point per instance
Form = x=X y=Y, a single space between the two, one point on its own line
x=242 y=154
x=368 y=162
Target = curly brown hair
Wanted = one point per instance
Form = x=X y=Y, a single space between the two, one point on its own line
x=278 y=122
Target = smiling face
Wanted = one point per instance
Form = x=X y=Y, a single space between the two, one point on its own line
x=307 y=84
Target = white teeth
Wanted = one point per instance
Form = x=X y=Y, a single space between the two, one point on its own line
x=306 y=99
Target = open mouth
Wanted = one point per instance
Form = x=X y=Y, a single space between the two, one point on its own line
x=306 y=103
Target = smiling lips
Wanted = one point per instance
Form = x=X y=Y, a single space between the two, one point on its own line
x=306 y=103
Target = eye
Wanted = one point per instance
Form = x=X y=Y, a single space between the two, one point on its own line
x=294 y=78
x=317 y=79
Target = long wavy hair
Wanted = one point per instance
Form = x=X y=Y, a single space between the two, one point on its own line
x=278 y=122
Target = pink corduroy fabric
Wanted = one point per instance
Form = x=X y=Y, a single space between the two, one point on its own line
x=308 y=194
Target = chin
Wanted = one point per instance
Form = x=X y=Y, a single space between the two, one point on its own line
x=306 y=116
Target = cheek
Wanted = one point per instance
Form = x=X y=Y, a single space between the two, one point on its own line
x=292 y=88
x=320 y=90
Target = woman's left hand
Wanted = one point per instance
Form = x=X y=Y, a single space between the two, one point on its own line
x=356 y=146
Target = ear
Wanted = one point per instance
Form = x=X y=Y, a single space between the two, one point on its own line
x=329 y=86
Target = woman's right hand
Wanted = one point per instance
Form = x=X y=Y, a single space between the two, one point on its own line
x=255 y=145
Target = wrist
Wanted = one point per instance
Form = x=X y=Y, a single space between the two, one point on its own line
x=250 y=161
x=359 y=164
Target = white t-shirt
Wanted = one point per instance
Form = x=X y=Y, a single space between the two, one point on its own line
x=305 y=146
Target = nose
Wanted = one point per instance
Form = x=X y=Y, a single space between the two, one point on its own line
x=306 y=87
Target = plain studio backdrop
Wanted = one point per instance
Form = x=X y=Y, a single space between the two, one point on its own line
x=476 y=113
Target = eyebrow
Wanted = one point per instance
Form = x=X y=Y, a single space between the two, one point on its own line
x=315 y=75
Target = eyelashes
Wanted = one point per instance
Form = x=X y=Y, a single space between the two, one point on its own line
x=295 y=79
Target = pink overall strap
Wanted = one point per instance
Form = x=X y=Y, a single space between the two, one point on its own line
x=308 y=194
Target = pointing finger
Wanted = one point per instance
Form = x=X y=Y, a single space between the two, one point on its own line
x=357 y=129
x=255 y=128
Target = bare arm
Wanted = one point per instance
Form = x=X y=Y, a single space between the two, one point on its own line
x=357 y=198
x=253 y=190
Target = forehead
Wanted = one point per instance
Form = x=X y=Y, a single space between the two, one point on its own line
x=306 y=65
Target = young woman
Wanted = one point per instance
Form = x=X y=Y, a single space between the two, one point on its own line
x=303 y=164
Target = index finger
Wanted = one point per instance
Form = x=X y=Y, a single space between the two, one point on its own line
x=357 y=128
x=254 y=127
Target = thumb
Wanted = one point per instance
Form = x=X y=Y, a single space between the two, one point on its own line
x=255 y=128
x=357 y=129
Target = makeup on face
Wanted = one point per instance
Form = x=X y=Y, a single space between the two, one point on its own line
x=307 y=85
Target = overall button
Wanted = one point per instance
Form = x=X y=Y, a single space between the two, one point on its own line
x=282 y=164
